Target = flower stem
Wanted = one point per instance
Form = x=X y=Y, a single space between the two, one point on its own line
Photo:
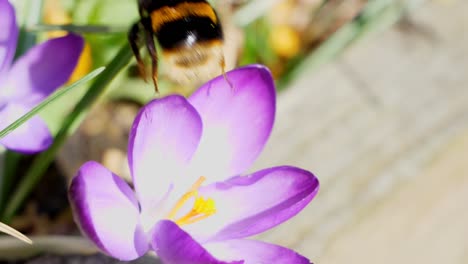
x=43 y=160
x=11 y=161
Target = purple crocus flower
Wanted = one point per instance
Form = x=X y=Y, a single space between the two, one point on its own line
x=29 y=80
x=190 y=205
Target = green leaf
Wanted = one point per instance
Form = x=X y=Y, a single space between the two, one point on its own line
x=59 y=93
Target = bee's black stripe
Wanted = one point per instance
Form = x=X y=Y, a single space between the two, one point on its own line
x=185 y=32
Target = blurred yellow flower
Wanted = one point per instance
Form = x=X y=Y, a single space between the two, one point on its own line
x=283 y=37
x=285 y=41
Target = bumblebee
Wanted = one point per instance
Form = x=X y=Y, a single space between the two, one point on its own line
x=190 y=36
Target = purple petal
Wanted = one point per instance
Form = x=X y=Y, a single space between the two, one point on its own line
x=107 y=212
x=237 y=121
x=8 y=36
x=175 y=246
x=31 y=137
x=253 y=252
x=248 y=205
x=44 y=68
x=164 y=136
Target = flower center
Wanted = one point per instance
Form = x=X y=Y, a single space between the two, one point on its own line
x=202 y=208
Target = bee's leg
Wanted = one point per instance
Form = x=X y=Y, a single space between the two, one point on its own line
x=134 y=38
x=150 y=45
x=143 y=7
x=222 y=64
x=154 y=59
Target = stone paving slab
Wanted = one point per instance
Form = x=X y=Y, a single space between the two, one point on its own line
x=385 y=128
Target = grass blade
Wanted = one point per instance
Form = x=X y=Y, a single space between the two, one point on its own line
x=14 y=233
x=47 y=101
x=99 y=29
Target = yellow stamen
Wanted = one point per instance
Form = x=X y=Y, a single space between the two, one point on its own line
x=191 y=193
x=202 y=208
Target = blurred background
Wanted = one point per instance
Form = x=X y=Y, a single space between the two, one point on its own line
x=372 y=98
